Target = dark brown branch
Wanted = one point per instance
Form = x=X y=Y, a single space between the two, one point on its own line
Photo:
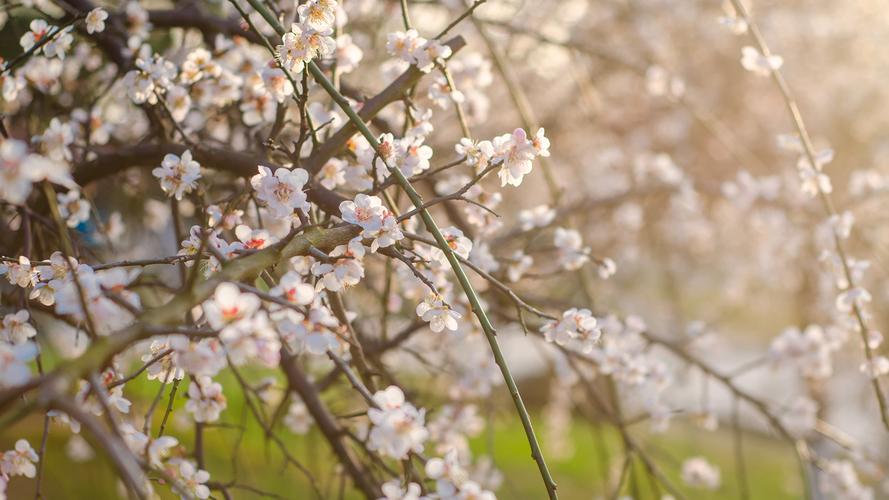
x=369 y=109
x=191 y=15
x=327 y=425
x=116 y=159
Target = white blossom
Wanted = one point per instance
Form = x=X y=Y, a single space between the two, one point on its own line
x=572 y=253
x=205 y=400
x=56 y=139
x=519 y=263
x=302 y=44
x=398 y=426
x=762 y=65
x=348 y=54
x=392 y=490
x=539 y=216
x=318 y=14
x=700 y=473
x=14 y=369
x=840 y=481
x=438 y=314
x=410 y=47
x=344 y=269
x=800 y=417
x=72 y=208
x=178 y=175
x=298 y=419
x=19 y=273
x=193 y=481
x=95 y=20
x=16 y=328
x=576 y=329
x=19 y=461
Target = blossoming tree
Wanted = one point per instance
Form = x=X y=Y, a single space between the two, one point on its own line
x=333 y=248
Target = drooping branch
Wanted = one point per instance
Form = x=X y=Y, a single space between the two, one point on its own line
x=490 y=334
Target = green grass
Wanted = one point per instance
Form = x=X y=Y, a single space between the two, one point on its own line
x=771 y=467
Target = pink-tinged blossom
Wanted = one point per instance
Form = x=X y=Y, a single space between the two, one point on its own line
x=514 y=154
x=377 y=221
x=229 y=307
x=477 y=154
x=282 y=192
x=366 y=211
x=459 y=244
x=253 y=239
x=37 y=31
x=411 y=156
x=292 y=288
